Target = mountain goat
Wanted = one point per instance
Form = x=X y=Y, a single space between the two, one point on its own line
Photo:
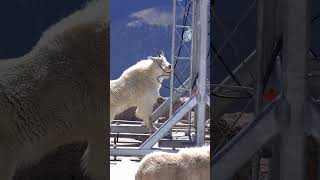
x=139 y=86
x=56 y=94
x=187 y=164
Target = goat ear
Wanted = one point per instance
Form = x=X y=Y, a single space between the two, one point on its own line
x=162 y=53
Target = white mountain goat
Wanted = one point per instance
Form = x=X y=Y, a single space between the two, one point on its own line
x=139 y=86
x=56 y=94
x=187 y=164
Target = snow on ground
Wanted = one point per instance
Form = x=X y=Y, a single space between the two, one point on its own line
x=123 y=170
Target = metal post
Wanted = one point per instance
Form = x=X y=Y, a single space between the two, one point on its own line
x=195 y=50
x=265 y=44
x=195 y=46
x=202 y=71
x=295 y=56
x=274 y=162
x=172 y=55
x=318 y=159
x=192 y=65
x=255 y=161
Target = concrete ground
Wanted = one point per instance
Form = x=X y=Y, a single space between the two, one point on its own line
x=124 y=169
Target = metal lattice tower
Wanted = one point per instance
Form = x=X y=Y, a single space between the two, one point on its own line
x=284 y=124
x=181 y=47
x=190 y=47
x=181 y=51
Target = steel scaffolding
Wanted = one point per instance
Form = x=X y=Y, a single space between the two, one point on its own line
x=293 y=114
x=196 y=50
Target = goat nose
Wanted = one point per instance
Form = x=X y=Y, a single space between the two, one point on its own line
x=169 y=66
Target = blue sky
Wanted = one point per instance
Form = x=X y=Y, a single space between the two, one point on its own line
x=137 y=30
x=123 y=8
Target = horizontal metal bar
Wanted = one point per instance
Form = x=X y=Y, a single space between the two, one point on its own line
x=231 y=86
x=136 y=151
x=121 y=121
x=241 y=148
x=156 y=136
x=182 y=26
x=128 y=128
x=316 y=59
x=182 y=58
x=130 y=134
x=135 y=136
x=181 y=89
x=176 y=143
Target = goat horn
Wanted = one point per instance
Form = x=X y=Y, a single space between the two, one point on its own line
x=160 y=52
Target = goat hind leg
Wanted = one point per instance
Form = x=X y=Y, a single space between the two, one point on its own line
x=95 y=158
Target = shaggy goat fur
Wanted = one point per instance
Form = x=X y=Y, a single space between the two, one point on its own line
x=138 y=86
x=187 y=164
x=56 y=94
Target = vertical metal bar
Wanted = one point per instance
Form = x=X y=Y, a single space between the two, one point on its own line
x=255 y=167
x=266 y=28
x=318 y=159
x=259 y=75
x=295 y=56
x=195 y=41
x=172 y=56
x=191 y=67
x=260 y=67
x=274 y=162
x=274 y=165
x=202 y=71
x=189 y=122
x=195 y=49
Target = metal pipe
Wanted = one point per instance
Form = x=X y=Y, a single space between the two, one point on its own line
x=255 y=161
x=173 y=61
x=295 y=56
x=202 y=71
